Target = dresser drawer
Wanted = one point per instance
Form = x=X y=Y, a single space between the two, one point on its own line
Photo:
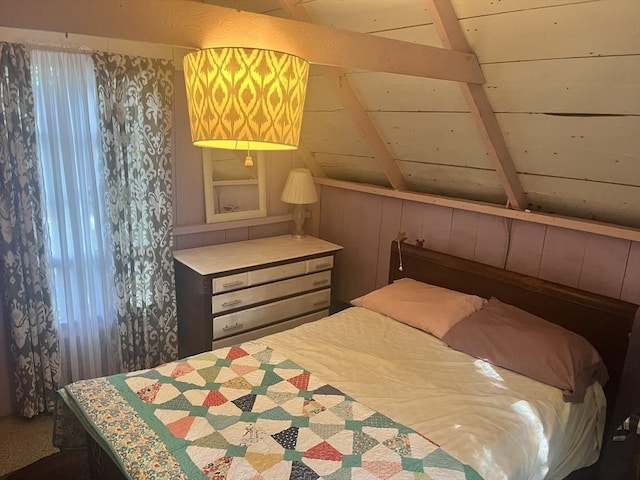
x=270 y=274
x=264 y=275
x=269 y=329
x=243 y=320
x=319 y=264
x=261 y=293
x=230 y=282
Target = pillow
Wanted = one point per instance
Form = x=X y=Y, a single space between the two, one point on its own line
x=520 y=341
x=427 y=307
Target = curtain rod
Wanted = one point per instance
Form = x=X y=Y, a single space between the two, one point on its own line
x=59 y=48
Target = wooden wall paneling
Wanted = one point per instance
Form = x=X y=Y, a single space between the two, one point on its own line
x=563 y=255
x=188 y=181
x=570 y=85
x=492 y=240
x=387 y=92
x=464 y=232
x=601 y=148
x=313 y=223
x=320 y=96
x=236 y=234
x=213 y=238
x=424 y=34
x=412 y=221
x=277 y=169
x=362 y=169
x=365 y=17
x=269 y=230
x=631 y=283
x=454 y=181
x=180 y=242
x=436 y=137
x=566 y=256
x=568 y=31
x=331 y=214
x=332 y=204
x=603 y=268
x=604 y=202
x=368 y=245
x=348 y=285
x=524 y=248
x=477 y=8
x=436 y=227
x=332 y=132
x=390 y=225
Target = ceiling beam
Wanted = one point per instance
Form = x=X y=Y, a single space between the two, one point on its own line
x=194 y=24
x=451 y=35
x=340 y=84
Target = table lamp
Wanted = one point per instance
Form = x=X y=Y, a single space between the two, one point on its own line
x=299 y=190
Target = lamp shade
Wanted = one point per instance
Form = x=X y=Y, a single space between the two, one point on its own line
x=299 y=188
x=245 y=98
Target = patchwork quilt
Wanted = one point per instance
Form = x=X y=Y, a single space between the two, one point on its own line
x=247 y=412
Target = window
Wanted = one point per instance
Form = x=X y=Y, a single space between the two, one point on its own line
x=71 y=173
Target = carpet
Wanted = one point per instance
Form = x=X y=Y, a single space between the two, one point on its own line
x=63 y=465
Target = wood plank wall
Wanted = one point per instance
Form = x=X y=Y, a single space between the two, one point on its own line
x=561 y=75
x=365 y=224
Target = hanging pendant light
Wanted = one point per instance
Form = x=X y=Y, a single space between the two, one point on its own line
x=245 y=98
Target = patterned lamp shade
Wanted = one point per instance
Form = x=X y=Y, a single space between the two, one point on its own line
x=244 y=98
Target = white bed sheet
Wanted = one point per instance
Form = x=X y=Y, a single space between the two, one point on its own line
x=503 y=424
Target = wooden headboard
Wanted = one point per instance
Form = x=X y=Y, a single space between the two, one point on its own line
x=612 y=326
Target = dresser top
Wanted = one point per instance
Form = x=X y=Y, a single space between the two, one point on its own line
x=233 y=256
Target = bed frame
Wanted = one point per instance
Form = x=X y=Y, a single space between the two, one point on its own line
x=612 y=326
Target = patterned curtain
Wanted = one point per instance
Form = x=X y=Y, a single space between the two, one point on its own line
x=27 y=300
x=135 y=98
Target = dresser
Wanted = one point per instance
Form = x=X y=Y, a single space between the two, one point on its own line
x=235 y=292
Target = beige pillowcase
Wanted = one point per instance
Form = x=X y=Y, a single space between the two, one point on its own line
x=421 y=305
x=512 y=338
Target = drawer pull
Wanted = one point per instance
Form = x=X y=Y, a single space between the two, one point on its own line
x=319 y=302
x=322 y=265
x=232 y=284
x=226 y=328
x=320 y=282
x=231 y=303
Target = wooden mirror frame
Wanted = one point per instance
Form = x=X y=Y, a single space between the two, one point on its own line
x=210 y=184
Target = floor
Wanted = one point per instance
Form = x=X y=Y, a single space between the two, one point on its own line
x=24 y=441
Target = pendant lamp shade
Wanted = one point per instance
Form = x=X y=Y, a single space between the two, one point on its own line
x=244 y=98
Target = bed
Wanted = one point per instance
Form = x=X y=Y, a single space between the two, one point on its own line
x=361 y=395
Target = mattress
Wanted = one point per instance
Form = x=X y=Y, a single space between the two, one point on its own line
x=503 y=424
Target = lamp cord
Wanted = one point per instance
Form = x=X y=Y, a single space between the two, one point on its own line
x=402 y=236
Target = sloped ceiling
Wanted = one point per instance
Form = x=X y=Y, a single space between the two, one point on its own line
x=562 y=76
x=562 y=80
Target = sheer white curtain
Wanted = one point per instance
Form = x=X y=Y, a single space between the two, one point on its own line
x=68 y=141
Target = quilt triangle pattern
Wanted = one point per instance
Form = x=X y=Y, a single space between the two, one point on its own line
x=248 y=412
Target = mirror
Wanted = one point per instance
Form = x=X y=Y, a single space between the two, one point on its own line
x=231 y=190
